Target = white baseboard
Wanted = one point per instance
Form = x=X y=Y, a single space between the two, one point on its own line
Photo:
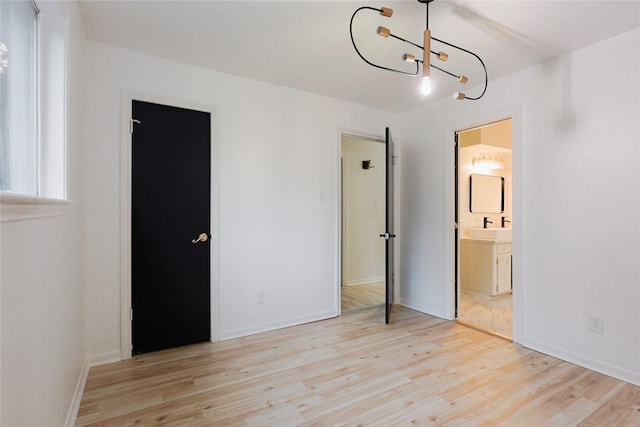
x=584 y=361
x=365 y=281
x=272 y=326
x=551 y=350
x=431 y=310
x=104 y=358
x=72 y=413
x=90 y=361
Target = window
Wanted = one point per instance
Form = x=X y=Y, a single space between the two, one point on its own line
x=19 y=98
x=33 y=108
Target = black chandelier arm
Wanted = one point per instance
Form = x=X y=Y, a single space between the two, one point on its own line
x=411 y=43
x=438 y=68
x=486 y=79
x=486 y=75
x=443 y=71
x=406 y=41
x=353 y=42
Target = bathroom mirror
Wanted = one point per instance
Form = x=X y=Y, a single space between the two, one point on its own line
x=486 y=193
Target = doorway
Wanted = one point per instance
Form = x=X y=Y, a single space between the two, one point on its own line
x=484 y=213
x=363 y=198
x=170 y=226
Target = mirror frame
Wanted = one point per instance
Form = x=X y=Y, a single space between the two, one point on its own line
x=486 y=194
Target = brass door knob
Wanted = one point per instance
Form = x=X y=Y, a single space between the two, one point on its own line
x=203 y=237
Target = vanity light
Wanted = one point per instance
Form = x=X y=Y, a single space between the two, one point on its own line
x=425 y=87
x=487 y=161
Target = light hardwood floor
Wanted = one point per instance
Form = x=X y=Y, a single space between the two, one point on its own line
x=493 y=314
x=356 y=371
x=355 y=297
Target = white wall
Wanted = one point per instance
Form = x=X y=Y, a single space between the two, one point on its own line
x=364 y=211
x=42 y=290
x=278 y=192
x=577 y=143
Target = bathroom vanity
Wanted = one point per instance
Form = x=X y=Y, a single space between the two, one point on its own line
x=485 y=266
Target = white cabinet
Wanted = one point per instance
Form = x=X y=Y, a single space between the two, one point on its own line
x=485 y=266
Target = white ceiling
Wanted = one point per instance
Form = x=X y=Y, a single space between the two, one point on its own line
x=306 y=45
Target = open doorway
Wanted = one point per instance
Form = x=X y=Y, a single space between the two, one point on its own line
x=363 y=220
x=484 y=207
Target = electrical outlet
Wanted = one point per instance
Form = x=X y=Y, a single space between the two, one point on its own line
x=260 y=299
x=596 y=324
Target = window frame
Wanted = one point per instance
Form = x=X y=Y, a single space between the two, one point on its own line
x=19 y=207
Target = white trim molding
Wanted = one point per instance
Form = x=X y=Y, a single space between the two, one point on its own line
x=17 y=207
x=632 y=377
x=72 y=413
x=280 y=324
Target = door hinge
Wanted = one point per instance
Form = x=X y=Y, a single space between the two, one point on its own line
x=131 y=122
x=393 y=159
x=131 y=314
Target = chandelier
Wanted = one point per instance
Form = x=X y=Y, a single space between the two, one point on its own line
x=425 y=87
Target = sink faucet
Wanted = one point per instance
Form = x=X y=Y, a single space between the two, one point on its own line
x=505 y=220
x=486 y=221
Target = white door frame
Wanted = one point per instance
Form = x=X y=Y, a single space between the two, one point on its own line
x=515 y=113
x=126 y=98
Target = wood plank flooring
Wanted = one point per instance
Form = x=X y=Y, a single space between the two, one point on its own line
x=491 y=313
x=356 y=371
x=355 y=297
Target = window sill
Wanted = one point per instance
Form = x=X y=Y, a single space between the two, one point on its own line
x=16 y=207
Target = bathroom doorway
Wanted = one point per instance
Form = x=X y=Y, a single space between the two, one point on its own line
x=363 y=169
x=484 y=208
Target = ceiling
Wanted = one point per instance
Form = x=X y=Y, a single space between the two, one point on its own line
x=306 y=45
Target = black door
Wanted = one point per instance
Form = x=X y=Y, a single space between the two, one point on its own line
x=170 y=252
x=456 y=219
x=389 y=234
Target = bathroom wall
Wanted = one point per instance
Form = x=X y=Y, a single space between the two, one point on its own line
x=363 y=211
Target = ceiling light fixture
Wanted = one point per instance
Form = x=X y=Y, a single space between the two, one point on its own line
x=425 y=87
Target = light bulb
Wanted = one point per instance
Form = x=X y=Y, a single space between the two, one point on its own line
x=425 y=87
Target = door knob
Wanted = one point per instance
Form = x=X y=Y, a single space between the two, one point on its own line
x=203 y=237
